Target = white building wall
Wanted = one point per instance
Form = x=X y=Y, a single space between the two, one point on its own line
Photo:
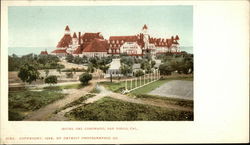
x=130 y=48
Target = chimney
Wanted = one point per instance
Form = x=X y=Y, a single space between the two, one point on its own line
x=79 y=38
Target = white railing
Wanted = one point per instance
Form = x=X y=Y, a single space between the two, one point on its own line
x=141 y=81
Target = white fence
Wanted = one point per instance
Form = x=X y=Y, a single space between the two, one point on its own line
x=138 y=82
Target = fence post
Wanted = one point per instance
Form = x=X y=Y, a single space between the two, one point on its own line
x=144 y=79
x=135 y=82
x=131 y=85
x=140 y=80
x=126 y=85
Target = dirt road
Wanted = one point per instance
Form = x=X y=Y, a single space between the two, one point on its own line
x=73 y=94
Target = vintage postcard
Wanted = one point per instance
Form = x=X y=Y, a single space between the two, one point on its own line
x=97 y=72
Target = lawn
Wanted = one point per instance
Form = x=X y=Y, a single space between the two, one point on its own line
x=166 y=100
x=109 y=109
x=118 y=87
x=23 y=102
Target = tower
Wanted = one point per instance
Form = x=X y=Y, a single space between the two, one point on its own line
x=145 y=37
x=74 y=39
x=67 y=30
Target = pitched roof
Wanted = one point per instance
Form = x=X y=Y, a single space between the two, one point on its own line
x=67 y=28
x=78 y=50
x=124 y=38
x=177 y=37
x=169 y=43
x=92 y=36
x=44 y=52
x=59 y=51
x=97 y=45
x=64 y=42
x=145 y=26
x=74 y=35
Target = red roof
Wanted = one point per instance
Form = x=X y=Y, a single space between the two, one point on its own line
x=124 y=38
x=64 y=42
x=74 y=35
x=169 y=43
x=145 y=26
x=177 y=37
x=97 y=45
x=78 y=50
x=59 y=51
x=91 y=36
x=44 y=53
x=67 y=28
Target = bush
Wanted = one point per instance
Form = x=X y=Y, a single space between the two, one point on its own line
x=51 y=80
x=139 y=73
x=70 y=58
x=85 y=78
x=165 y=69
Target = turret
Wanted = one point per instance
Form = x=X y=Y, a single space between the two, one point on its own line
x=67 y=30
x=145 y=29
x=74 y=39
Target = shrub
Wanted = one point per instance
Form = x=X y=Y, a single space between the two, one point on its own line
x=165 y=69
x=139 y=73
x=70 y=58
x=51 y=80
x=85 y=78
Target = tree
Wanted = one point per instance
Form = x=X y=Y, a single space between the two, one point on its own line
x=153 y=63
x=90 y=68
x=70 y=58
x=128 y=60
x=104 y=68
x=77 y=60
x=165 y=69
x=139 y=73
x=46 y=72
x=85 y=78
x=94 y=61
x=125 y=69
x=28 y=73
x=51 y=80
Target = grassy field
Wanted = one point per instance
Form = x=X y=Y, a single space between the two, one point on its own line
x=21 y=103
x=166 y=100
x=109 y=109
x=118 y=87
x=150 y=87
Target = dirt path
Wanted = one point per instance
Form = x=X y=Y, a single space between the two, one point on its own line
x=73 y=94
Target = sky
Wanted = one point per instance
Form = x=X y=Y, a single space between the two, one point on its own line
x=43 y=26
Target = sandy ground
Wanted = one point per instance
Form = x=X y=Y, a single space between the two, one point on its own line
x=175 y=89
